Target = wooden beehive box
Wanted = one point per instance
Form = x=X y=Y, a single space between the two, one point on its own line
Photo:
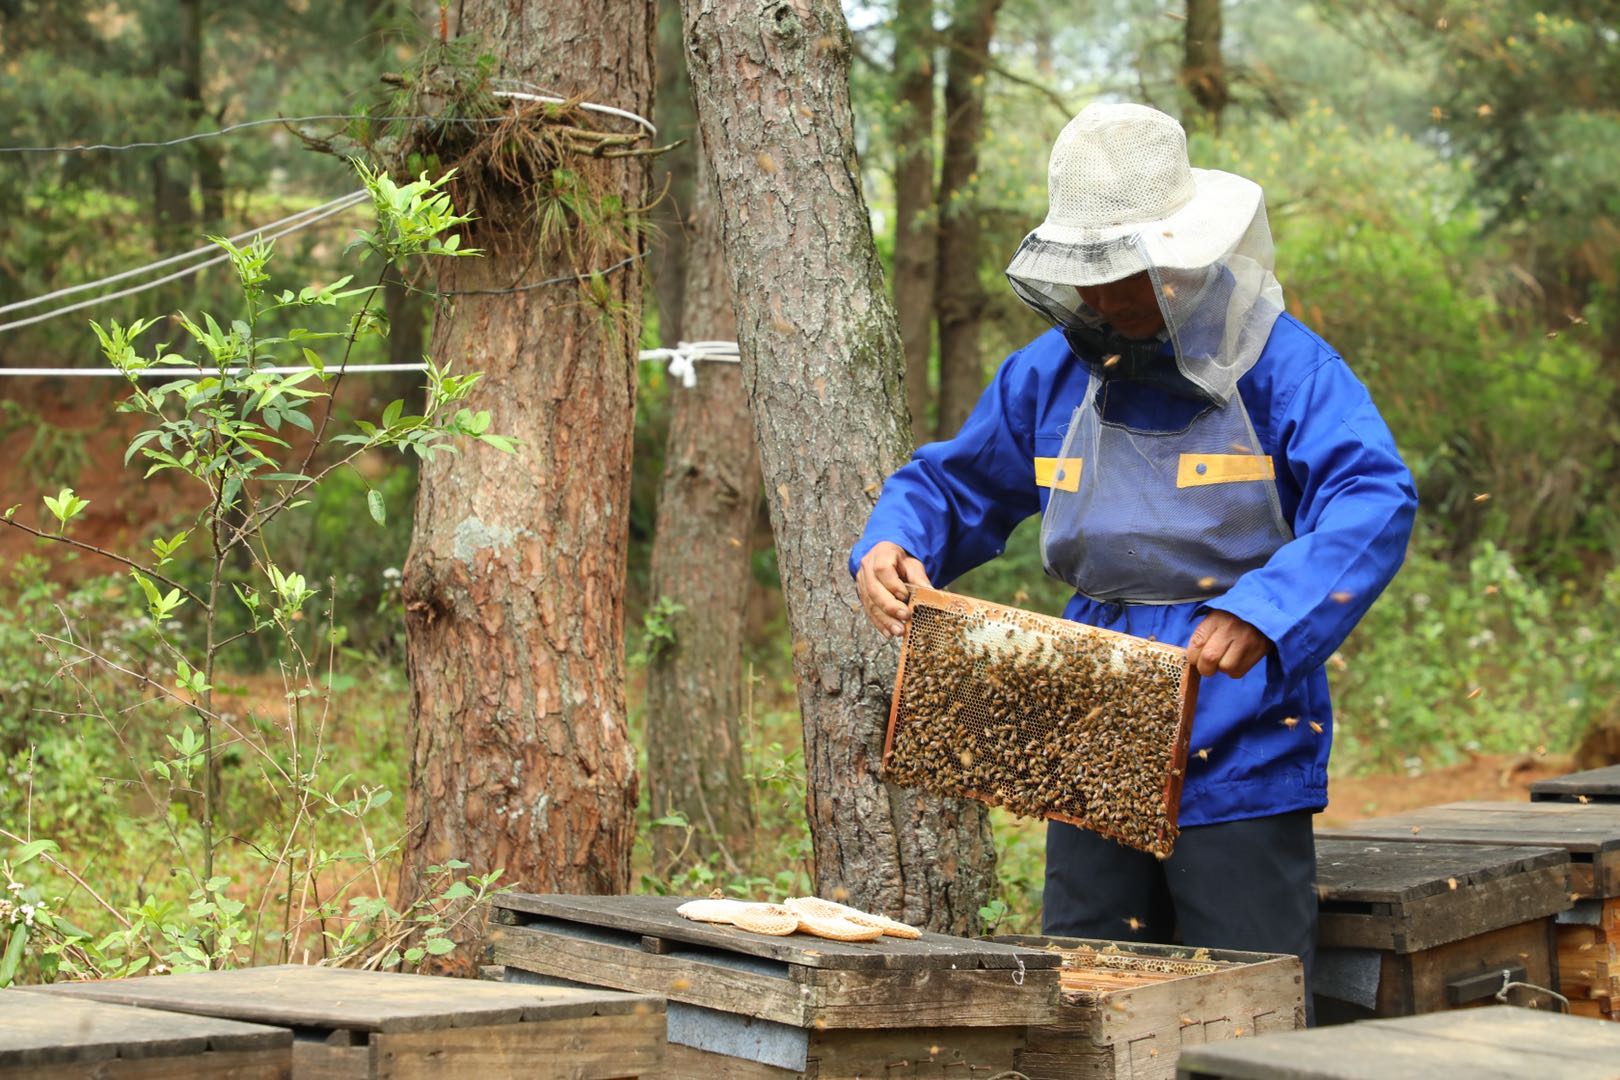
x=1591 y=786
x=746 y=1005
x=1498 y=1043
x=1414 y=927
x=1589 y=932
x=365 y=1024
x=45 y=1038
x=1129 y=1009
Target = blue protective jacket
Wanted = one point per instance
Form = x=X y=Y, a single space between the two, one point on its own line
x=1342 y=485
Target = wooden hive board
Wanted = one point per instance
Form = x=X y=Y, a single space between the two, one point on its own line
x=1590 y=833
x=1123 y=1020
x=1409 y=896
x=749 y=1005
x=1495 y=1043
x=48 y=1038
x=365 y=1023
x=1596 y=785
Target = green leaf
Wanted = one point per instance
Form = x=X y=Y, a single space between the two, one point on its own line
x=414 y=956
x=440 y=945
x=33 y=850
x=13 y=957
x=374 y=503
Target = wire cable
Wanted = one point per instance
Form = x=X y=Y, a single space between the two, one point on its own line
x=589 y=106
x=681 y=359
x=350 y=198
x=183 y=272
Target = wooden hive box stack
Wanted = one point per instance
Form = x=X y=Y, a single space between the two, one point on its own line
x=44 y=1038
x=1588 y=832
x=360 y=1025
x=1589 y=933
x=1498 y=1043
x=752 y=1007
x=1128 y=1009
x=1415 y=926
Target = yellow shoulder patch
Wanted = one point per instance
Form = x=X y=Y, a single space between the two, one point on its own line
x=1062 y=473
x=1197 y=470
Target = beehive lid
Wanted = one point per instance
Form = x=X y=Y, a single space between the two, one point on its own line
x=38 y=1031
x=1406 y=895
x=1589 y=833
x=1045 y=716
x=1500 y=1042
x=296 y=995
x=1595 y=785
x=654 y=918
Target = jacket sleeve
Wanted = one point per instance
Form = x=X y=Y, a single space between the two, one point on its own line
x=1351 y=528
x=954 y=503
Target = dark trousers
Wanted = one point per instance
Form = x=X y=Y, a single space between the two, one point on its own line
x=1237 y=885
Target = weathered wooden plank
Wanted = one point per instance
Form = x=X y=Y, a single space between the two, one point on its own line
x=946 y=1053
x=1417 y=982
x=40 y=1030
x=1379 y=1051
x=694 y=976
x=1522 y=1028
x=1590 y=833
x=655 y=916
x=1453 y=915
x=318 y=1061
x=583 y=1048
x=851 y=999
x=1598 y=785
x=1134 y=1024
x=296 y=995
x=209 y=1065
x=1375 y=872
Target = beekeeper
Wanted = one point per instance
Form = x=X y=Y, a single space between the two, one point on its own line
x=1209 y=473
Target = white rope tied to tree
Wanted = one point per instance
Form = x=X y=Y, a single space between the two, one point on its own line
x=681 y=359
x=684 y=356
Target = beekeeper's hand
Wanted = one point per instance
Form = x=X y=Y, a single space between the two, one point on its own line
x=881 y=581
x=1225 y=643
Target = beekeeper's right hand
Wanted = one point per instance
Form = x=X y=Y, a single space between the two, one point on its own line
x=881 y=581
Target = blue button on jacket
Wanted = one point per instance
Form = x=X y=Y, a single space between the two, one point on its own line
x=1342 y=485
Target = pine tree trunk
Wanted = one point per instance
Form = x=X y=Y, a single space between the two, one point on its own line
x=960 y=299
x=700 y=561
x=1203 y=72
x=822 y=365
x=514 y=586
x=677 y=169
x=916 y=224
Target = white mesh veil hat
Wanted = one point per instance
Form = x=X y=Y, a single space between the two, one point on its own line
x=1123 y=200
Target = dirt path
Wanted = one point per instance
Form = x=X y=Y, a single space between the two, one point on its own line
x=1486 y=776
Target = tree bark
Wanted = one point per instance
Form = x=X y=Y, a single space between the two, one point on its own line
x=514 y=586
x=822 y=362
x=1203 y=72
x=700 y=561
x=916 y=223
x=677 y=169
x=959 y=297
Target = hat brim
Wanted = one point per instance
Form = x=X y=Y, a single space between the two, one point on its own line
x=1202 y=232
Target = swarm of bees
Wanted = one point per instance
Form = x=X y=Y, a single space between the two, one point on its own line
x=1078 y=726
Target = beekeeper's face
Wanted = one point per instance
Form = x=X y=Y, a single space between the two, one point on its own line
x=1130 y=305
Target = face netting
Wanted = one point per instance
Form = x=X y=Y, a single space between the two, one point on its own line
x=1123 y=201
